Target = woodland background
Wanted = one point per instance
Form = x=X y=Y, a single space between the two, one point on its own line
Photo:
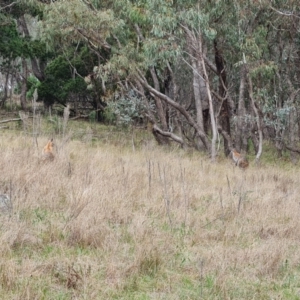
x=114 y=215
x=199 y=73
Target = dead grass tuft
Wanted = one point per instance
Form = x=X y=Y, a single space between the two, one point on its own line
x=9 y=272
x=82 y=236
x=148 y=262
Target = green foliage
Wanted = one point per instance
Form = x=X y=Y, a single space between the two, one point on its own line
x=11 y=44
x=59 y=89
x=277 y=118
x=65 y=18
x=18 y=8
x=125 y=111
x=56 y=124
x=92 y=116
x=109 y=115
x=32 y=84
x=58 y=68
x=264 y=71
x=38 y=49
x=60 y=81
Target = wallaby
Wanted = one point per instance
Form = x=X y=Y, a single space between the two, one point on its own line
x=239 y=159
x=48 y=151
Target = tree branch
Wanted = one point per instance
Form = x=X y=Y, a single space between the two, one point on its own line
x=287 y=14
x=10 y=120
x=177 y=106
x=9 y=5
x=171 y=135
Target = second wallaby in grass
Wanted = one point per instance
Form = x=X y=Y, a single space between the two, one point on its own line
x=239 y=159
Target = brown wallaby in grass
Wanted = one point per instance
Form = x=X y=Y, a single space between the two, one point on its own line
x=48 y=154
x=239 y=159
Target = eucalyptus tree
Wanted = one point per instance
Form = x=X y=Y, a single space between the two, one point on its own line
x=72 y=27
x=170 y=57
x=238 y=40
x=139 y=47
x=284 y=48
x=240 y=43
x=201 y=68
x=17 y=46
x=11 y=46
x=262 y=43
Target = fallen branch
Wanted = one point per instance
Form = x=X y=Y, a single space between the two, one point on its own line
x=171 y=135
x=80 y=116
x=10 y=120
x=86 y=116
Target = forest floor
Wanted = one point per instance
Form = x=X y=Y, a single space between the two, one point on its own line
x=116 y=217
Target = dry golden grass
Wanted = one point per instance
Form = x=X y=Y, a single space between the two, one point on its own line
x=106 y=222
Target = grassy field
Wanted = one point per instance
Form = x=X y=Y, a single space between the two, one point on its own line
x=116 y=217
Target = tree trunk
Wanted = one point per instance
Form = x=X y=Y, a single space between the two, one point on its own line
x=256 y=114
x=293 y=126
x=4 y=97
x=224 y=110
x=162 y=139
x=36 y=69
x=212 y=115
x=279 y=145
x=240 y=142
x=293 y=133
x=197 y=96
x=24 y=85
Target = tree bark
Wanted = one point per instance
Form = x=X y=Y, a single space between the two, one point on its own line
x=240 y=142
x=224 y=110
x=4 y=97
x=292 y=134
x=256 y=113
x=212 y=114
x=23 y=85
x=159 y=106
